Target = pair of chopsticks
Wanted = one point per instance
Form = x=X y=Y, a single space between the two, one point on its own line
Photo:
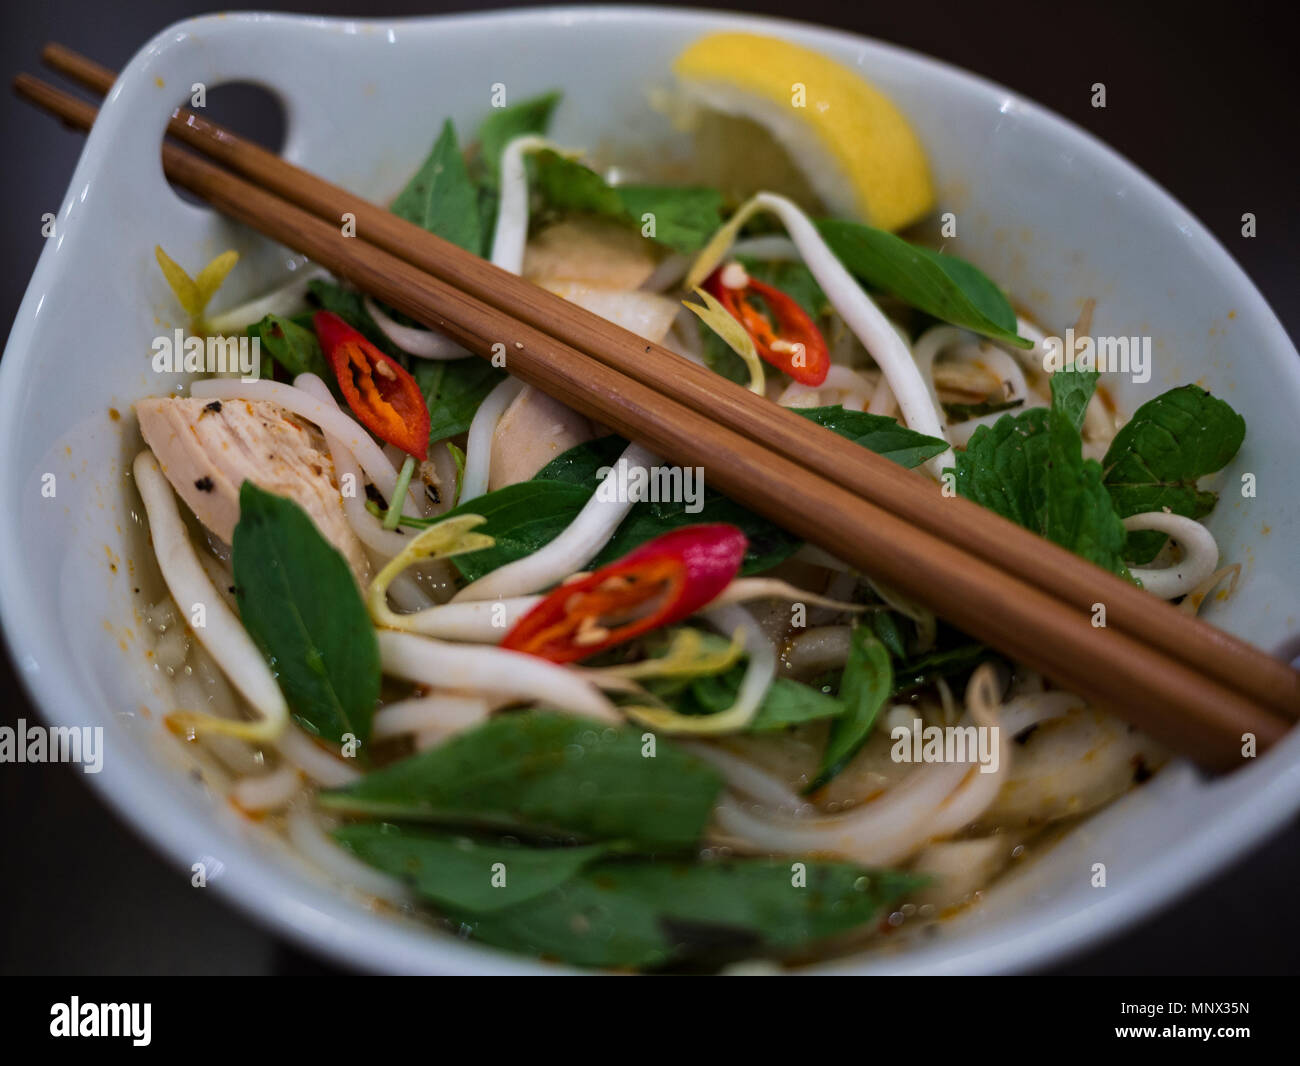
x=1191 y=686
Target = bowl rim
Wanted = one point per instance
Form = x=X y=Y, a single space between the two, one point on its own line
x=319 y=917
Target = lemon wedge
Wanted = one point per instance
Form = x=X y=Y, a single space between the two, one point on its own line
x=851 y=144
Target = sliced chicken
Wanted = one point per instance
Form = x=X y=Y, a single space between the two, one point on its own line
x=533 y=430
x=593 y=250
x=208 y=449
x=646 y=314
x=596 y=264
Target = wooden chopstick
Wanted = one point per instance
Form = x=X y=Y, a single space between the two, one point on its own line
x=1168 y=699
x=1039 y=562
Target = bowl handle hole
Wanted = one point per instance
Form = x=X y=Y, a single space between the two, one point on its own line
x=254 y=112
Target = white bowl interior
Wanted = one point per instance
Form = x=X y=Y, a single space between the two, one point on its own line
x=1051 y=214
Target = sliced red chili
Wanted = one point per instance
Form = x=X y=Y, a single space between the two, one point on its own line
x=789 y=340
x=378 y=389
x=661 y=582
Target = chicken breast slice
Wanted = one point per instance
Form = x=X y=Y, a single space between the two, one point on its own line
x=534 y=429
x=592 y=250
x=208 y=449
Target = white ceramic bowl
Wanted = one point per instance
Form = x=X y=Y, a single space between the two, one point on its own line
x=1049 y=212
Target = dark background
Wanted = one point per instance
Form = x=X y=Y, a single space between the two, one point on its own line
x=1203 y=102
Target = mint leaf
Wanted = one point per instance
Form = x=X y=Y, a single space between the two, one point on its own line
x=1003 y=467
x=1156 y=459
x=944 y=286
x=1078 y=512
x=300 y=604
x=1030 y=469
x=542 y=773
x=441 y=198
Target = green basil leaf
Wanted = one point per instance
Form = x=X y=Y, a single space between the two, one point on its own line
x=441 y=198
x=889 y=631
x=507 y=123
x=498 y=130
x=685 y=217
x=300 y=604
x=878 y=433
x=1155 y=460
x=867 y=684
x=925 y=670
x=638 y=913
x=459 y=872
x=293 y=346
x=546 y=773
x=453 y=390
x=521 y=518
x=944 y=286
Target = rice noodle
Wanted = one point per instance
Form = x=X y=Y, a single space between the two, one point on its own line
x=471 y=621
x=492 y=670
x=934 y=799
x=511 y=233
x=816 y=650
x=308 y=756
x=580 y=542
x=437 y=716
x=421 y=343
x=744 y=589
x=222 y=635
x=307 y=836
x=1200 y=554
x=267 y=792
x=482 y=428
x=1193 y=600
x=744 y=777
